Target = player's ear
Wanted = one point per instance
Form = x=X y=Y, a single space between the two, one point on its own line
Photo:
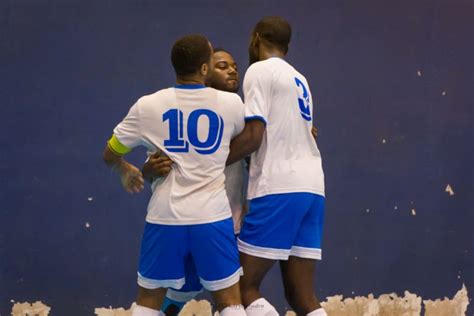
x=256 y=39
x=204 y=70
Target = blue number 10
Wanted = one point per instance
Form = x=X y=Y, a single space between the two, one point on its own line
x=177 y=142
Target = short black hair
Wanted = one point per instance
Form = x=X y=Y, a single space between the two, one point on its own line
x=189 y=53
x=275 y=30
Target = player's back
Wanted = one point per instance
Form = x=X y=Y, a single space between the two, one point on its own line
x=288 y=159
x=193 y=125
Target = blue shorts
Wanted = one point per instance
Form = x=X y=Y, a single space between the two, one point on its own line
x=191 y=288
x=281 y=225
x=168 y=251
x=193 y=285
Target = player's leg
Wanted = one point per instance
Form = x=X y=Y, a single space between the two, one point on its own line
x=299 y=271
x=298 y=281
x=267 y=235
x=215 y=254
x=255 y=269
x=228 y=301
x=176 y=299
x=149 y=301
x=161 y=266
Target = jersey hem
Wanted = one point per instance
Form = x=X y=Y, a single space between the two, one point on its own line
x=175 y=222
x=282 y=191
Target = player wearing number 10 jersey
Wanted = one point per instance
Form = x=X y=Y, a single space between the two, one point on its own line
x=189 y=213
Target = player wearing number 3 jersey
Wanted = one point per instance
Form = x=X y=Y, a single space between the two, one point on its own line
x=189 y=214
x=286 y=180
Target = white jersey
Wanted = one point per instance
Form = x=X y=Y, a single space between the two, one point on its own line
x=288 y=159
x=193 y=125
x=236 y=180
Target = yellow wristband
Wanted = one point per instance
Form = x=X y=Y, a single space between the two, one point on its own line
x=117 y=147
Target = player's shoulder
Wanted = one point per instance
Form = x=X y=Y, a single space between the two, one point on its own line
x=261 y=66
x=157 y=96
x=229 y=96
x=264 y=70
x=301 y=77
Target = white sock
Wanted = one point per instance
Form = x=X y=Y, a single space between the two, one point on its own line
x=145 y=311
x=318 y=312
x=235 y=310
x=261 y=307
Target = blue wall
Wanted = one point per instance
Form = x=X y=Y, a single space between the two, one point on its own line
x=71 y=69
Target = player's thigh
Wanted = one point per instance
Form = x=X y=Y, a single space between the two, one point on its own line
x=162 y=255
x=255 y=269
x=298 y=274
x=214 y=251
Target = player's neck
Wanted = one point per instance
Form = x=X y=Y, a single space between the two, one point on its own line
x=269 y=53
x=191 y=80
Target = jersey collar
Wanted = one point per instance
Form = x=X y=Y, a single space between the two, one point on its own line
x=189 y=86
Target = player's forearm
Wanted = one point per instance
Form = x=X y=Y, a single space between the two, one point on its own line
x=247 y=141
x=243 y=145
x=147 y=172
x=113 y=161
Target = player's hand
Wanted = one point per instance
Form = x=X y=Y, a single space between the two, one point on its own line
x=158 y=165
x=314 y=131
x=131 y=177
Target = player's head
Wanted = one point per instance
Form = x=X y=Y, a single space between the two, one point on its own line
x=224 y=75
x=191 y=56
x=270 y=33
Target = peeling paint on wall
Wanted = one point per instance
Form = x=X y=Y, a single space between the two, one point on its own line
x=456 y=306
x=385 y=305
x=27 y=309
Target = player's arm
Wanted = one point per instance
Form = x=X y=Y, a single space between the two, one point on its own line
x=247 y=141
x=314 y=132
x=157 y=165
x=257 y=83
x=130 y=176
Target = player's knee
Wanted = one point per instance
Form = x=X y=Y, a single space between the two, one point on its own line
x=147 y=294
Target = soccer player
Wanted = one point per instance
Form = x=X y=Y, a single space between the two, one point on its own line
x=188 y=216
x=224 y=76
x=286 y=184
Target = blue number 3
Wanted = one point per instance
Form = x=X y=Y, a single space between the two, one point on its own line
x=305 y=108
x=177 y=142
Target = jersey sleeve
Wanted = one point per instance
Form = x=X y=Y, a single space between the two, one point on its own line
x=128 y=132
x=257 y=84
x=240 y=116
